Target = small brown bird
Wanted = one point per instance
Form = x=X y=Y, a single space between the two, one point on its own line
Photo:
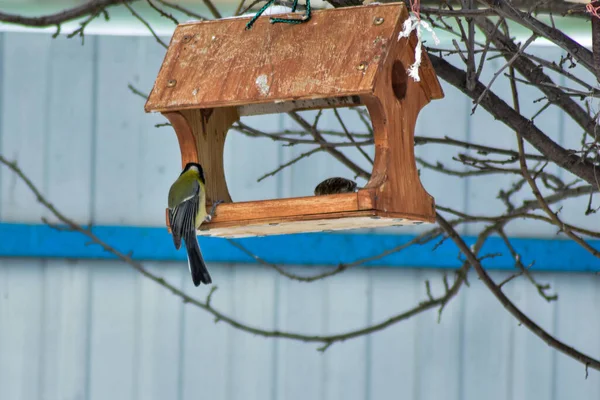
x=334 y=186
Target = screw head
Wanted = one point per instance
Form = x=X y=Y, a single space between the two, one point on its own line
x=187 y=38
x=378 y=20
x=362 y=66
x=171 y=83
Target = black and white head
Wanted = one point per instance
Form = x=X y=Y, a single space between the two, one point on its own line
x=194 y=167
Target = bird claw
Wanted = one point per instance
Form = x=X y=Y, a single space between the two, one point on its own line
x=211 y=214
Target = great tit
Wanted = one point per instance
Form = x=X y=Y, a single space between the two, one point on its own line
x=335 y=185
x=187 y=211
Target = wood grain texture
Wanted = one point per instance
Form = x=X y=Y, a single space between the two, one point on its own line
x=185 y=137
x=302 y=214
x=252 y=210
x=394 y=107
x=304 y=224
x=219 y=63
x=209 y=128
x=214 y=70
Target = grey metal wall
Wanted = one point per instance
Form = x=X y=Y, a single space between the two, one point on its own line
x=98 y=330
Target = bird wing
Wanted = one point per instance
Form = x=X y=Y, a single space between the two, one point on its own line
x=183 y=218
x=176 y=235
x=181 y=195
x=182 y=204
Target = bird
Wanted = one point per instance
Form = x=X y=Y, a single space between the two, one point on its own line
x=187 y=211
x=335 y=185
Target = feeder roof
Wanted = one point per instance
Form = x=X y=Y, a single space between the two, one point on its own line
x=337 y=53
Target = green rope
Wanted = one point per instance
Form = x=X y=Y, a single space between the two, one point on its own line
x=305 y=18
x=258 y=14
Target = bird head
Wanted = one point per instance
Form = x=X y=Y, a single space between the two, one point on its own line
x=194 y=167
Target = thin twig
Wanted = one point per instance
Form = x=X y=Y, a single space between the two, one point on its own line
x=544 y=205
x=137 y=92
x=505 y=301
x=323 y=143
x=498 y=108
x=349 y=136
x=206 y=305
x=541 y=288
x=183 y=10
x=143 y=21
x=365 y=118
x=471 y=73
x=290 y=163
x=508 y=64
x=481 y=149
x=93 y=7
x=213 y=10
x=485 y=50
x=163 y=13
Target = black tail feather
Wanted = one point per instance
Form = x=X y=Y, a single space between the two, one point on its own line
x=196 y=262
x=174 y=230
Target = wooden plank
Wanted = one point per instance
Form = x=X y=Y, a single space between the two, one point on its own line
x=68 y=131
x=301 y=308
x=296 y=225
x=485 y=318
x=217 y=63
x=286 y=207
x=394 y=107
x=253 y=292
x=117 y=147
x=21 y=328
x=206 y=361
x=159 y=335
x=25 y=91
x=533 y=360
x=63 y=355
x=439 y=345
x=577 y=324
x=392 y=362
x=346 y=309
x=298 y=105
x=115 y=325
x=302 y=214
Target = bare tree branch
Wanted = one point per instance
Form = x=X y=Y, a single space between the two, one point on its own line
x=146 y=24
x=508 y=64
x=90 y=7
x=544 y=205
x=531 y=72
x=502 y=111
x=323 y=143
x=577 y=51
x=183 y=10
x=583 y=161
x=518 y=314
x=325 y=340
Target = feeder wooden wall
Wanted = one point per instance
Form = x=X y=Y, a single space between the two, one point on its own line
x=216 y=71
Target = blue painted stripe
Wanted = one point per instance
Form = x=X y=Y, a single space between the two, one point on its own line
x=21 y=240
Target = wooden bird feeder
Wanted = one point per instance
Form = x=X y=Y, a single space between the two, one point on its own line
x=216 y=71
